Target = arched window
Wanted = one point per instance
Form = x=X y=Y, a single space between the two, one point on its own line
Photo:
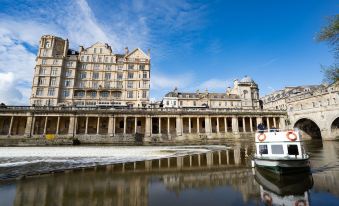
x=47 y=44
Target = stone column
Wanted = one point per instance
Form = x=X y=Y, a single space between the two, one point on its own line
x=235 y=127
x=208 y=128
x=218 y=125
x=86 y=126
x=268 y=123
x=10 y=126
x=58 y=125
x=29 y=128
x=243 y=124
x=189 y=125
x=135 y=124
x=110 y=126
x=225 y=123
x=98 y=125
x=159 y=119
x=125 y=121
x=274 y=123
x=45 y=127
x=72 y=126
x=168 y=126
x=251 y=124
x=282 y=123
x=148 y=126
x=179 y=125
x=198 y=125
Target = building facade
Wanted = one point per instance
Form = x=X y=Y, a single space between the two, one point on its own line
x=89 y=77
x=244 y=95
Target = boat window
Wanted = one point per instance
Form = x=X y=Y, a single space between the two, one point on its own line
x=292 y=149
x=263 y=149
x=277 y=149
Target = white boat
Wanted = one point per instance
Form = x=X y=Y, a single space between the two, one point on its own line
x=280 y=151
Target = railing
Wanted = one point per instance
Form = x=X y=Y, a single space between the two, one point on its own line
x=104 y=108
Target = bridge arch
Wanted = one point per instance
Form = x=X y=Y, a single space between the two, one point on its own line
x=335 y=128
x=309 y=128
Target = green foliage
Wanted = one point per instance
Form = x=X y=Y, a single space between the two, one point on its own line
x=330 y=34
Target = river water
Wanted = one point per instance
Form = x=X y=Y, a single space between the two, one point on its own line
x=160 y=175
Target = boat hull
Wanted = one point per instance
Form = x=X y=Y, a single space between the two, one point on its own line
x=283 y=166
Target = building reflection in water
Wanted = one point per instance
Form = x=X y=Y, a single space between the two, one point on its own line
x=129 y=183
x=284 y=190
x=219 y=177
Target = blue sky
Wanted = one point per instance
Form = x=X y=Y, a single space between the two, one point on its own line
x=194 y=44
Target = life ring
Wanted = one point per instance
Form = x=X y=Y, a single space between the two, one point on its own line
x=300 y=203
x=294 y=136
x=267 y=199
x=261 y=137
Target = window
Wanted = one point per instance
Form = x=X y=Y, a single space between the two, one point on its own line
x=42 y=71
x=44 y=53
x=100 y=50
x=167 y=102
x=39 y=91
x=99 y=59
x=42 y=81
x=47 y=44
x=107 y=85
x=87 y=59
x=44 y=61
x=130 y=94
x=277 y=149
x=104 y=94
x=144 y=84
x=130 y=75
x=174 y=103
x=142 y=67
x=53 y=81
x=108 y=67
x=119 y=85
x=180 y=103
x=82 y=58
x=81 y=84
x=54 y=71
x=263 y=149
x=116 y=94
x=292 y=149
x=144 y=94
x=144 y=75
x=93 y=94
x=95 y=85
x=69 y=64
x=55 y=61
x=194 y=103
x=129 y=84
x=51 y=91
x=119 y=76
x=94 y=58
x=130 y=67
x=66 y=93
x=83 y=66
x=95 y=50
x=81 y=94
x=106 y=59
x=83 y=75
x=96 y=66
x=96 y=75
x=68 y=73
x=107 y=75
x=120 y=67
x=67 y=83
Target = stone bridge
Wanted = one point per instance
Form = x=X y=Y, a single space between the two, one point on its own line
x=316 y=119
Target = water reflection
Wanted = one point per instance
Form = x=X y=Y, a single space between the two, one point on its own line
x=284 y=190
x=221 y=177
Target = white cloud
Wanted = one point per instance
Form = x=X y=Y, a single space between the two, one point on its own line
x=9 y=93
x=214 y=85
x=169 y=82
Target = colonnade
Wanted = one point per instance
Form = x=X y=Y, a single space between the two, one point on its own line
x=123 y=124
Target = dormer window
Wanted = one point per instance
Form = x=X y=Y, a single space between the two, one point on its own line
x=47 y=44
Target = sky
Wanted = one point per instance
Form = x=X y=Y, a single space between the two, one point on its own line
x=194 y=44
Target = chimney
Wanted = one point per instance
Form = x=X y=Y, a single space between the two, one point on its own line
x=81 y=48
x=126 y=50
x=149 y=52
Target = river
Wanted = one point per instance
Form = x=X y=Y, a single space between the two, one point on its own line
x=161 y=175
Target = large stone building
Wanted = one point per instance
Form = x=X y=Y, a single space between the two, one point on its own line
x=88 y=77
x=313 y=109
x=243 y=95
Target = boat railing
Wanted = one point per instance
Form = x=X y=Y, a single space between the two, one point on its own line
x=276 y=130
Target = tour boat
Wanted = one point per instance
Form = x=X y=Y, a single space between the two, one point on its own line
x=290 y=189
x=280 y=151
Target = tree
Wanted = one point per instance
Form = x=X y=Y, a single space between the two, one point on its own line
x=330 y=34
